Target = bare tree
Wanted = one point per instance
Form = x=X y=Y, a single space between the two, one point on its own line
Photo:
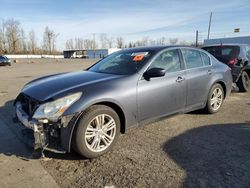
x=138 y=43
x=23 y=42
x=119 y=42
x=145 y=41
x=152 y=42
x=3 y=42
x=13 y=34
x=110 y=42
x=87 y=44
x=103 y=40
x=49 y=40
x=130 y=45
x=32 y=43
x=79 y=43
x=94 y=45
x=173 y=41
x=69 y=44
x=162 y=41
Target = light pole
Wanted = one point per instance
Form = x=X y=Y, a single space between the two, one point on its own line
x=209 y=25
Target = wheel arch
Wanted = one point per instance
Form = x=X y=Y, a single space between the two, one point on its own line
x=71 y=129
x=248 y=71
x=223 y=86
x=119 y=112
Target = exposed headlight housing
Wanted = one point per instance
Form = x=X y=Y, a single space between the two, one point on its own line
x=53 y=110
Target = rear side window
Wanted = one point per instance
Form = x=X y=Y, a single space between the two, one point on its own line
x=206 y=59
x=192 y=58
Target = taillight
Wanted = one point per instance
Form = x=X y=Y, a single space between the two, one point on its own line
x=232 y=62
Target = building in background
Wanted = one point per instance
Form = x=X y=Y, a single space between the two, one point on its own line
x=239 y=40
x=81 y=53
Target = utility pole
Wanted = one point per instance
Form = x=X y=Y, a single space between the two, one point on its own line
x=209 y=25
x=197 y=36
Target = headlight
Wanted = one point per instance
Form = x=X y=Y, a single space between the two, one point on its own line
x=53 y=110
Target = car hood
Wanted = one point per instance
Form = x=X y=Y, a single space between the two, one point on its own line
x=50 y=86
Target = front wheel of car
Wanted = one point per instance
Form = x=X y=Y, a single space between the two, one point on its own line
x=244 y=82
x=97 y=131
x=215 y=99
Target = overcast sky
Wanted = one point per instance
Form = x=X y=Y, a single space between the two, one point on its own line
x=132 y=19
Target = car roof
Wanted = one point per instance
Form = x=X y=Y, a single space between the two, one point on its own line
x=154 y=48
x=227 y=44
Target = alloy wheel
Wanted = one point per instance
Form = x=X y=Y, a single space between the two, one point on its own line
x=246 y=80
x=100 y=133
x=216 y=99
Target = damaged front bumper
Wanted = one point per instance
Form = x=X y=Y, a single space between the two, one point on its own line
x=45 y=135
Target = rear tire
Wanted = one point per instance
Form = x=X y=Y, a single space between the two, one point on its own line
x=244 y=82
x=97 y=131
x=215 y=99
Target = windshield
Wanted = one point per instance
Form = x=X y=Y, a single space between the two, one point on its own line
x=2 y=57
x=223 y=53
x=123 y=62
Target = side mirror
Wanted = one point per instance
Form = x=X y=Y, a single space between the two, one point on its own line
x=154 y=72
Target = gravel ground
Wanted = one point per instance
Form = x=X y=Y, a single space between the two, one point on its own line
x=189 y=150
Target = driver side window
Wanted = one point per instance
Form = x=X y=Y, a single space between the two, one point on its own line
x=168 y=60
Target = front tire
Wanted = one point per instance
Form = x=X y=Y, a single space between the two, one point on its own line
x=244 y=82
x=215 y=99
x=97 y=131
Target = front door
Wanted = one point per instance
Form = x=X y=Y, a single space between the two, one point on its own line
x=163 y=95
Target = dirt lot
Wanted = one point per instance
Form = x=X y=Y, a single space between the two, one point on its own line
x=190 y=150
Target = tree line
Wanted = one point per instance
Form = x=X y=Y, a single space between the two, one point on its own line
x=13 y=39
x=110 y=42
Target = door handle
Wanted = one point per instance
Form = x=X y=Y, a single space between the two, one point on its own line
x=180 y=79
x=209 y=72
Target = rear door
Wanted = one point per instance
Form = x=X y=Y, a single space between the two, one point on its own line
x=199 y=75
x=163 y=95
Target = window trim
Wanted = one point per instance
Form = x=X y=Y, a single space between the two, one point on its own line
x=199 y=50
x=203 y=59
x=160 y=52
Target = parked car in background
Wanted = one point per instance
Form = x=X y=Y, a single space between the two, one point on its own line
x=237 y=57
x=4 y=60
x=87 y=110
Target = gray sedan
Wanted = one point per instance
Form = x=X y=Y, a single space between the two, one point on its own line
x=87 y=110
